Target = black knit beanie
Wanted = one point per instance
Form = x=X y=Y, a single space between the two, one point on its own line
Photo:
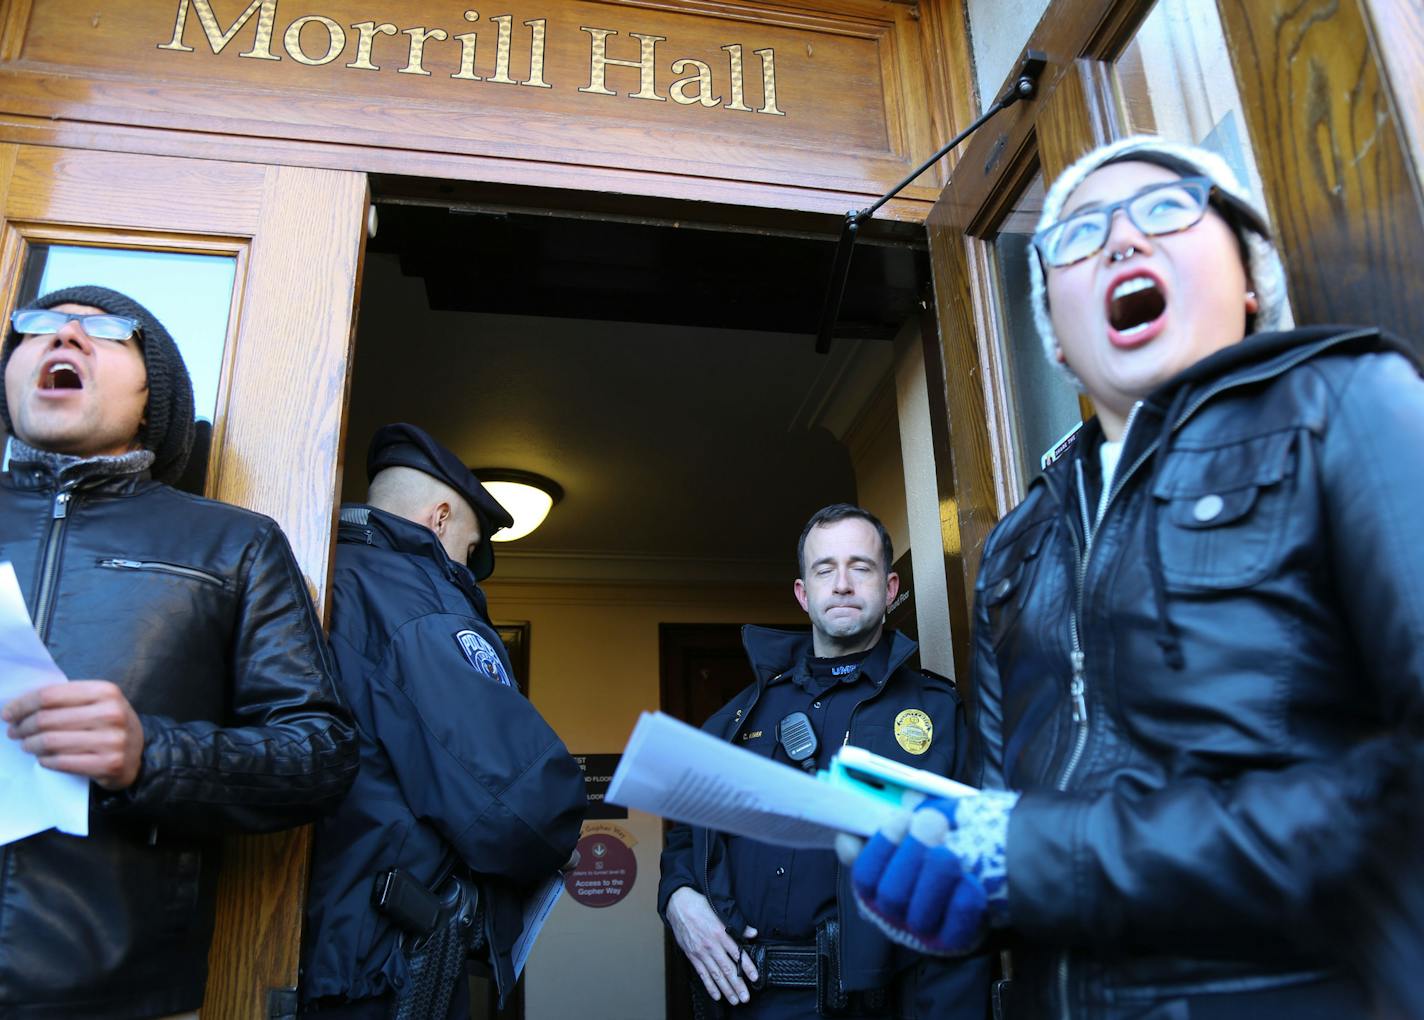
x=168 y=428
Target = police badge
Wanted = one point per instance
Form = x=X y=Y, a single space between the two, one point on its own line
x=482 y=656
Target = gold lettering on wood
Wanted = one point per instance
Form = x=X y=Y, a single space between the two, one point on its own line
x=537 y=29
x=335 y=40
x=218 y=38
x=737 y=102
x=692 y=86
x=467 y=51
x=703 y=78
x=599 y=61
x=768 y=82
x=369 y=31
x=501 y=51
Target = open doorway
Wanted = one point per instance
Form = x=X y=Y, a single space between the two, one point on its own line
x=665 y=377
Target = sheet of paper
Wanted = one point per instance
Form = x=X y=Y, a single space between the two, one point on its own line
x=536 y=911
x=32 y=798
x=674 y=770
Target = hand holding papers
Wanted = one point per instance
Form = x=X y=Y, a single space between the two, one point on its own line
x=32 y=797
x=674 y=770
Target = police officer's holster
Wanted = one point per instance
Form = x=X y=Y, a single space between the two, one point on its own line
x=802 y=965
x=436 y=959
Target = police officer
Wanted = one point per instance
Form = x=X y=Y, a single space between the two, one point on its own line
x=458 y=771
x=775 y=931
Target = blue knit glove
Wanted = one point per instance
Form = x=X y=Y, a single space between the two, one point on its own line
x=935 y=880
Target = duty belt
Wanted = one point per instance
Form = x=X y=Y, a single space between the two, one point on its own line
x=785 y=965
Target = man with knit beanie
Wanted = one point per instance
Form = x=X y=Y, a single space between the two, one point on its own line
x=200 y=700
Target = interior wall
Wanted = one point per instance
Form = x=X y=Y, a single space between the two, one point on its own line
x=874 y=444
x=919 y=495
x=593 y=668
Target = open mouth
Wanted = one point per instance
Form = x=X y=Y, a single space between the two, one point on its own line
x=61 y=376
x=1134 y=305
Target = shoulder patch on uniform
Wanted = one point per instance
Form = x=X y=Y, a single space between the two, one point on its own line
x=481 y=655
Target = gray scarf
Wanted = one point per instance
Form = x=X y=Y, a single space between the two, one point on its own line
x=66 y=466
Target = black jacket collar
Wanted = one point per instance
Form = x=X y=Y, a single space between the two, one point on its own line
x=775 y=652
x=366 y=525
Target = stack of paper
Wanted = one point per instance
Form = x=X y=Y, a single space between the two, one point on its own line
x=32 y=797
x=674 y=770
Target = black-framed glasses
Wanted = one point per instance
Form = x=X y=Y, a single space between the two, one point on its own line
x=101 y=326
x=1166 y=208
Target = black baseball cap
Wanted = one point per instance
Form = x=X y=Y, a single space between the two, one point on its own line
x=403 y=445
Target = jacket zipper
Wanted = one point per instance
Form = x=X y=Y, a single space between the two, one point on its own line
x=49 y=570
x=850 y=725
x=740 y=721
x=157 y=566
x=1078 y=685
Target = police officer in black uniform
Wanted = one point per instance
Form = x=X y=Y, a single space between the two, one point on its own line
x=774 y=931
x=459 y=774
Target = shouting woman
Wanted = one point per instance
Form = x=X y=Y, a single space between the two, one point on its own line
x=1194 y=640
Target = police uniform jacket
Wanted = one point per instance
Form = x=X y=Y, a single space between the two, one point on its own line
x=697 y=857
x=1184 y=687
x=457 y=768
x=198 y=612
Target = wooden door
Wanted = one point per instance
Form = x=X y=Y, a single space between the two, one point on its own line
x=290 y=241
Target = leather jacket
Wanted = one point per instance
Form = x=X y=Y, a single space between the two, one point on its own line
x=1177 y=685
x=198 y=612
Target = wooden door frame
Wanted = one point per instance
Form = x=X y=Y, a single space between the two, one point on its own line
x=1365 y=200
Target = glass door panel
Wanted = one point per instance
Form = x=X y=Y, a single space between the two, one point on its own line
x=190 y=294
x=1043 y=405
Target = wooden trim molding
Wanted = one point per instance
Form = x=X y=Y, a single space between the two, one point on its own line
x=826 y=104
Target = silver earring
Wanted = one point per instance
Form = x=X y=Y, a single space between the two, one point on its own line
x=1250 y=295
x=1125 y=253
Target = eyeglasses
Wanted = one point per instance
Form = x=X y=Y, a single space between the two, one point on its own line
x=35 y=321
x=1166 y=208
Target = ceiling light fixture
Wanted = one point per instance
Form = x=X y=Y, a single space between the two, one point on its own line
x=528 y=498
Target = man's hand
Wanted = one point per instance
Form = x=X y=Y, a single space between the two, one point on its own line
x=86 y=727
x=714 y=954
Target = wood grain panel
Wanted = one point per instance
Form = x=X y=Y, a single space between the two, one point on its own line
x=967 y=499
x=157 y=193
x=281 y=456
x=1397 y=40
x=1343 y=198
x=737 y=200
x=849 y=112
x=946 y=40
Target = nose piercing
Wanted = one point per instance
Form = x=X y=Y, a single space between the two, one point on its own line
x=1125 y=253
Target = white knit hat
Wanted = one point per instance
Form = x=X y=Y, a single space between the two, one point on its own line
x=1263 y=266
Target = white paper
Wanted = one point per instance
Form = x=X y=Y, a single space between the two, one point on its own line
x=674 y=770
x=32 y=797
x=536 y=911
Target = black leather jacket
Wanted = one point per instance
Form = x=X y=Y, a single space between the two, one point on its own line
x=1176 y=686
x=198 y=612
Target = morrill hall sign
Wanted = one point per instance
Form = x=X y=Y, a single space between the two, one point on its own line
x=482 y=50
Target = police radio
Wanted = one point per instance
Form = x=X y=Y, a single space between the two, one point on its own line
x=798 y=740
